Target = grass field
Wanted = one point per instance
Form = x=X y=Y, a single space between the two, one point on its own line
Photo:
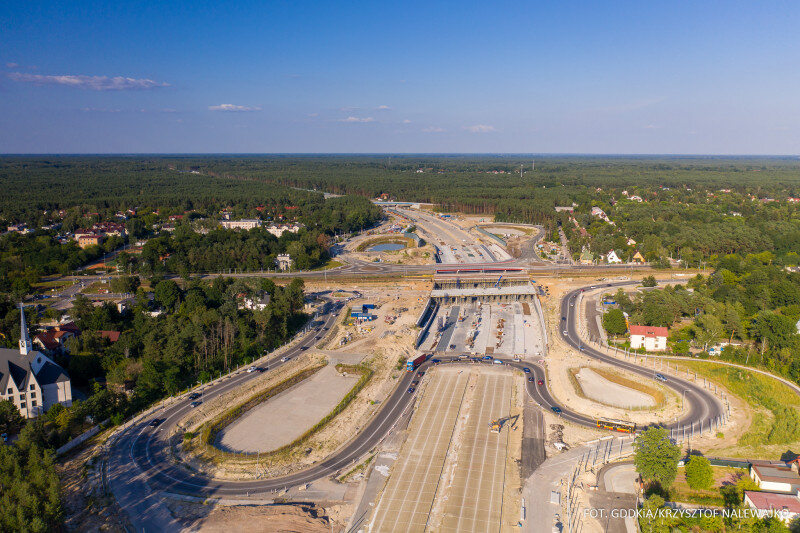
x=682 y=492
x=332 y=263
x=776 y=409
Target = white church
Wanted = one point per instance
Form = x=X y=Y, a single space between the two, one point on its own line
x=31 y=380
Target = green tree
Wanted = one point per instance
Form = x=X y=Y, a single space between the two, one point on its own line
x=614 y=322
x=698 y=472
x=656 y=457
x=10 y=419
x=649 y=281
x=167 y=293
x=30 y=497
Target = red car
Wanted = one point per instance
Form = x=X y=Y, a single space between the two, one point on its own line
x=541 y=382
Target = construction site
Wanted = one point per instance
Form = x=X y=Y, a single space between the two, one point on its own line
x=483 y=315
x=457 y=470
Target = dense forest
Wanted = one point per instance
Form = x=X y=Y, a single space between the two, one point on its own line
x=748 y=304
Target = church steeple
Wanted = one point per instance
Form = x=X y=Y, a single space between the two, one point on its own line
x=24 y=339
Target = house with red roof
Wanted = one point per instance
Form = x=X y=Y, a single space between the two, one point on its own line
x=651 y=338
x=785 y=507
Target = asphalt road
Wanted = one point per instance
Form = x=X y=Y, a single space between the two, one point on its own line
x=702 y=406
x=148 y=447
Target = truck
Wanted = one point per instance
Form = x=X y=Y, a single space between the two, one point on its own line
x=412 y=364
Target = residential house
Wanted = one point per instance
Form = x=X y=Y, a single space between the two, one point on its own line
x=785 y=507
x=613 y=258
x=651 y=338
x=90 y=239
x=638 y=258
x=51 y=341
x=30 y=380
x=775 y=478
x=245 y=223
x=587 y=257
x=255 y=303
x=284 y=262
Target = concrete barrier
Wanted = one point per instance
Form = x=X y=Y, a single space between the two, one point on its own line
x=80 y=439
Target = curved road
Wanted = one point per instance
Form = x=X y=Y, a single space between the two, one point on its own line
x=149 y=448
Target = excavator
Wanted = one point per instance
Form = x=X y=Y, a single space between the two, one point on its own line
x=496 y=425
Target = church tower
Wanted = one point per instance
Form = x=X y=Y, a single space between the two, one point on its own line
x=25 y=345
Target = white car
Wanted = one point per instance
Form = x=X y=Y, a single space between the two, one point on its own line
x=284 y=359
x=251 y=369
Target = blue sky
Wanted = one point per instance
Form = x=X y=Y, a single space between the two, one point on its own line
x=311 y=76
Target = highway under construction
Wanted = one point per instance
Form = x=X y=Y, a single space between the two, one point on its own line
x=482 y=314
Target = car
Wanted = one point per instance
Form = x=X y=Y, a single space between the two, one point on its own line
x=155 y=422
x=318 y=337
x=487 y=357
x=452 y=346
x=563 y=318
x=251 y=370
x=436 y=361
x=661 y=377
x=410 y=390
x=194 y=395
x=284 y=359
x=526 y=370
x=262 y=368
x=420 y=374
x=530 y=378
x=4 y=436
x=540 y=382
x=196 y=403
x=497 y=362
x=565 y=333
x=556 y=409
x=304 y=348
x=572 y=304
x=415 y=382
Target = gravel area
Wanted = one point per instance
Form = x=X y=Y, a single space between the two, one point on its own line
x=604 y=391
x=285 y=417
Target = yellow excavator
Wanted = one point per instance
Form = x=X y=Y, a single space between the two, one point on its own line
x=495 y=426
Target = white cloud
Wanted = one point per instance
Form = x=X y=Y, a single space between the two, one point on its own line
x=357 y=119
x=12 y=65
x=94 y=83
x=100 y=110
x=480 y=128
x=233 y=108
x=651 y=127
x=433 y=129
x=312 y=115
x=406 y=121
x=383 y=107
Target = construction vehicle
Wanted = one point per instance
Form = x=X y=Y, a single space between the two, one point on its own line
x=495 y=426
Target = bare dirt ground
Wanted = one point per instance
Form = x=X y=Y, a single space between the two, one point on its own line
x=380 y=349
x=266 y=519
x=86 y=505
x=409 y=256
